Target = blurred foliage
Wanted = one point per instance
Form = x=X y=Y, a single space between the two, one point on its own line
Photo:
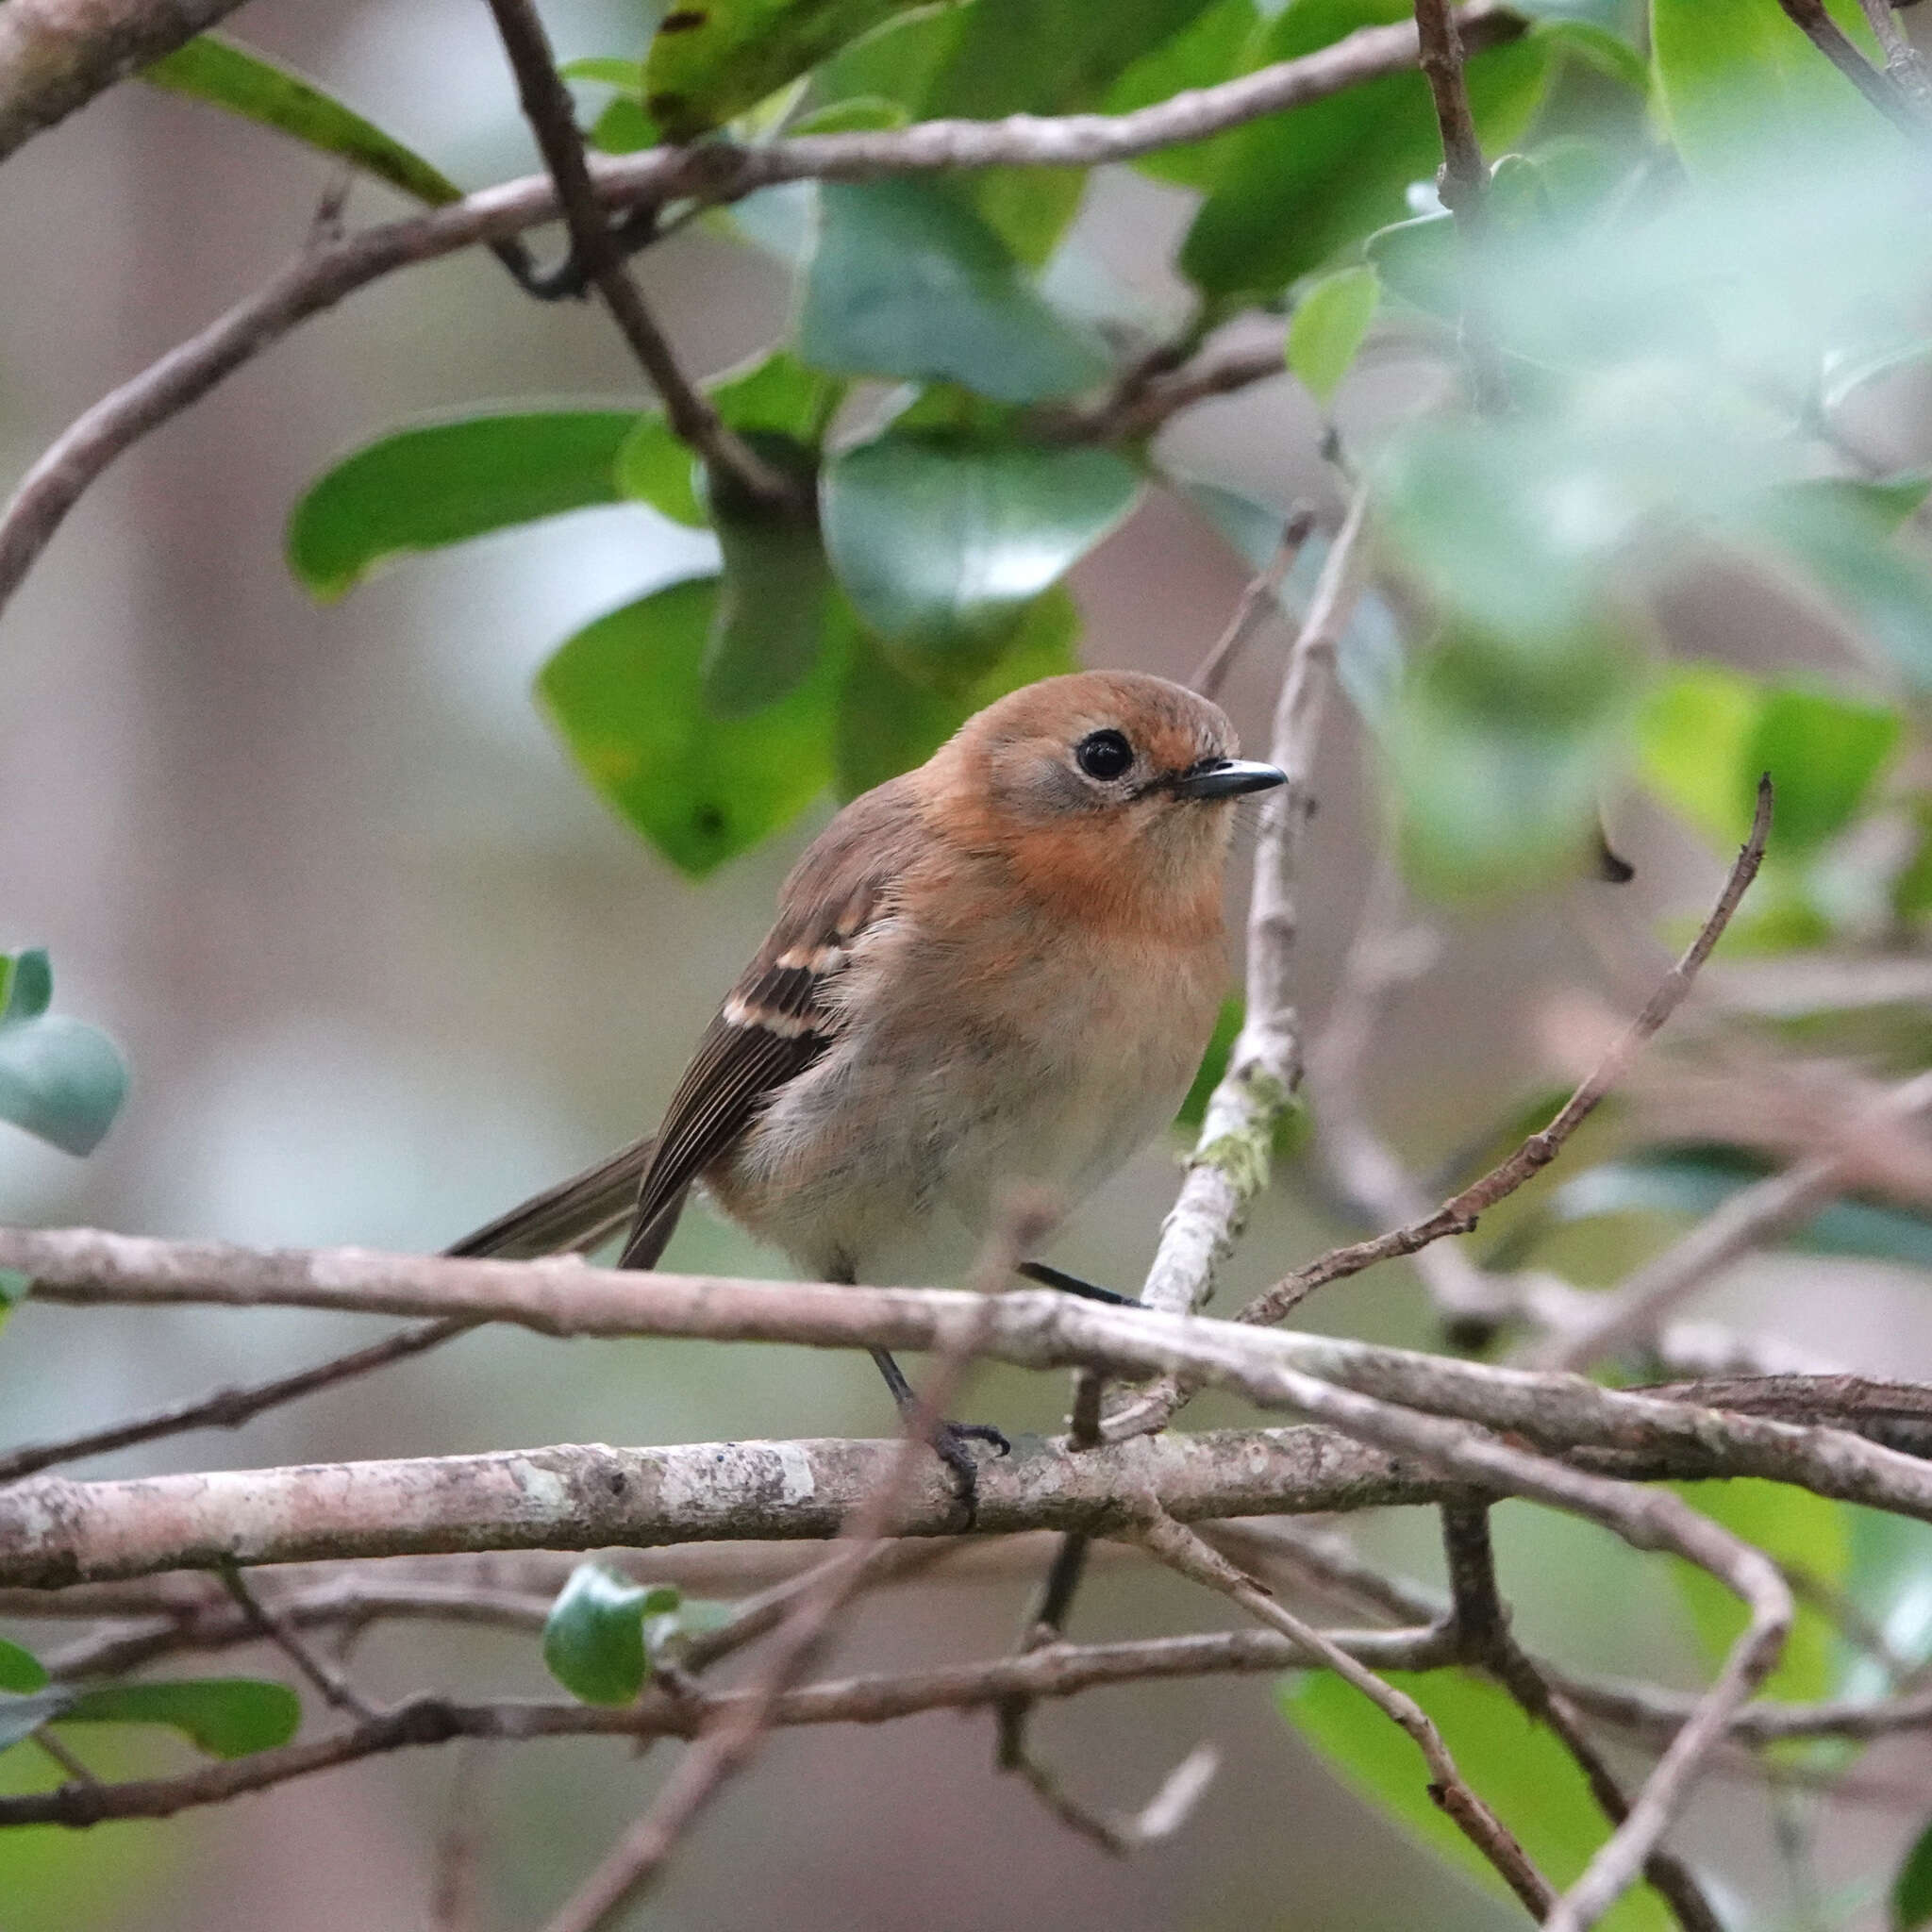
x=60 y=1079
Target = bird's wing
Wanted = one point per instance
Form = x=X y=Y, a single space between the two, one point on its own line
x=779 y=1018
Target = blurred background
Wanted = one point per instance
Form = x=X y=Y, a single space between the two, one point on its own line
x=381 y=963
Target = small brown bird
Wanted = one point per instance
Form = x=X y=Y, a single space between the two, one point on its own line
x=1000 y=969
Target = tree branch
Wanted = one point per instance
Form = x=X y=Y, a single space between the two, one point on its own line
x=547 y=106
x=1881 y=88
x=1460 y=1213
x=1482 y=1629
x=712 y=171
x=1453 y=1795
x=57 y=55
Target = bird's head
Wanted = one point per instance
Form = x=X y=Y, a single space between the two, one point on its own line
x=1110 y=789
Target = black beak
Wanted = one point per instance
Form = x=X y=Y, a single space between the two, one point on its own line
x=1228 y=778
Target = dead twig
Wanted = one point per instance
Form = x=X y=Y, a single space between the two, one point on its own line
x=547 y=106
x=1258 y=601
x=1453 y=1795
x=1481 y=1624
x=1460 y=1213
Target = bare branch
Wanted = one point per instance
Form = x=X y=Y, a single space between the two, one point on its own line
x=1756 y=1214
x=1233 y=1155
x=1257 y=602
x=1448 y=1788
x=56 y=55
x=1460 y=1213
x=712 y=171
x=1482 y=1627
x=547 y=106
x=331 y=1682
x=724 y=1746
x=1880 y=87
x=228 y=1409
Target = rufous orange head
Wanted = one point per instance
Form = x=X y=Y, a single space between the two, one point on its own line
x=1111 y=789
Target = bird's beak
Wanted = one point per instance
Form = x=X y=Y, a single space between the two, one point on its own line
x=1228 y=778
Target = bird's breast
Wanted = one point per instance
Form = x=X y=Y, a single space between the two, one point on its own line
x=964 y=1070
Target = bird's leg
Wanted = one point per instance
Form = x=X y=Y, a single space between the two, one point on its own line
x=1072 y=1284
x=948 y=1439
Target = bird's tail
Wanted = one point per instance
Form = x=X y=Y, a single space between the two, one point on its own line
x=573 y=1217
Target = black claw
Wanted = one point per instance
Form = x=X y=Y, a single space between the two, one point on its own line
x=949 y=1440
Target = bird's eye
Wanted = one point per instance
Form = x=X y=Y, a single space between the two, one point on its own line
x=1104 y=754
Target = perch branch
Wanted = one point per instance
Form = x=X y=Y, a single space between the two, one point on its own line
x=547 y=106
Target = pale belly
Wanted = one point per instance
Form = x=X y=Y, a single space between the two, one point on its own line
x=884 y=1167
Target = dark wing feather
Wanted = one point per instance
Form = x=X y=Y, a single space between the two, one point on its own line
x=778 y=1018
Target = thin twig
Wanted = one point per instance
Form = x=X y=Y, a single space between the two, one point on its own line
x=1463 y=182
x=1460 y=1213
x=1234 y=1153
x=1258 y=601
x=714 y=172
x=1876 y=84
x=724 y=1748
x=228 y=1409
x=1482 y=1627
x=333 y=1683
x=1182 y=1550
x=459 y=1847
x=547 y=106
x=1903 y=60
x=50 y=1746
x=1751 y=1216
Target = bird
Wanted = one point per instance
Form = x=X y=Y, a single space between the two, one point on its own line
x=997 y=971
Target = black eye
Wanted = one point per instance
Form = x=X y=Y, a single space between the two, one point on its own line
x=1104 y=754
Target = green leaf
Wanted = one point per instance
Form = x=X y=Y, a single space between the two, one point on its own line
x=1497 y=760
x=1911 y=1890
x=1212 y=49
x=777 y=393
x=941 y=541
x=860 y=114
x=1019 y=57
x=593 y=1638
x=907 y=279
x=1421 y=261
x=60 y=1080
x=20 y=1670
x=627 y=77
x=1824 y=754
x=890 y=720
x=1527 y=1777
x=772 y=608
x=1727 y=70
x=1297 y=186
x=444 y=482
x=624 y=128
x=716 y=58
x=1327 y=327
x=225 y=73
x=225 y=1717
x=627 y=696
x=1693 y=732
x=1806 y=1533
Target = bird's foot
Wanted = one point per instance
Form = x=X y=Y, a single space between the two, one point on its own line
x=949 y=1440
